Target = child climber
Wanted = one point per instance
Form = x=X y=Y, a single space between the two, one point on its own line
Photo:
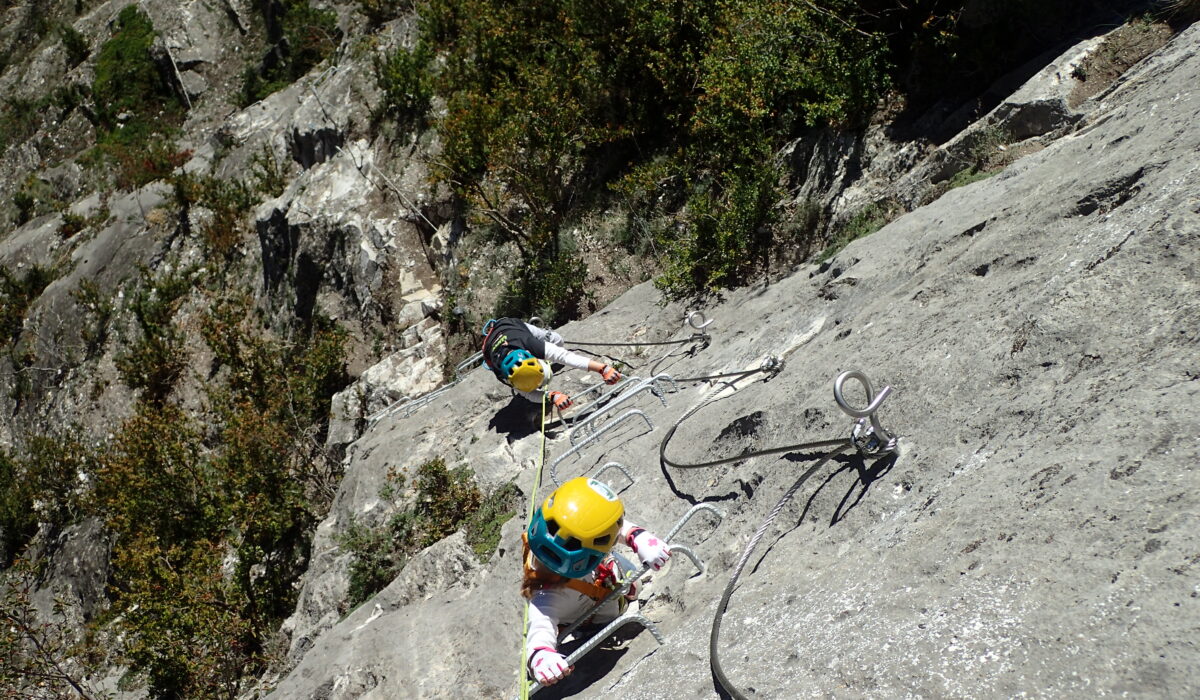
x=520 y=354
x=568 y=570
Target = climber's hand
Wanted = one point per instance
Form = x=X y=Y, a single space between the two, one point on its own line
x=560 y=400
x=653 y=552
x=609 y=375
x=549 y=666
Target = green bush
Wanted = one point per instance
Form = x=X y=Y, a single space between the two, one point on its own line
x=444 y=501
x=136 y=106
x=97 y=311
x=546 y=107
x=300 y=38
x=550 y=286
x=17 y=293
x=864 y=222
x=380 y=11
x=483 y=526
x=36 y=197
x=19 y=119
x=727 y=235
x=18 y=524
x=128 y=82
x=403 y=77
x=154 y=360
x=181 y=495
x=230 y=202
x=269 y=175
x=75 y=44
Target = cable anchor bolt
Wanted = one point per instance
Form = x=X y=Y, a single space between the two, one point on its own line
x=771 y=366
x=868 y=434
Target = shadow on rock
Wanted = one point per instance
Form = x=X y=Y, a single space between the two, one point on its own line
x=519 y=419
x=594 y=666
x=867 y=475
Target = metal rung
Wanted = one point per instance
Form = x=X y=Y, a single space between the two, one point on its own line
x=598 y=388
x=619 y=467
x=690 y=514
x=600 y=636
x=687 y=552
x=596 y=436
x=650 y=385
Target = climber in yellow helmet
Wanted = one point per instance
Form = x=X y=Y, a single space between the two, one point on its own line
x=567 y=566
x=520 y=355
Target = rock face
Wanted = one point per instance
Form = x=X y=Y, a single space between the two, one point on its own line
x=1037 y=533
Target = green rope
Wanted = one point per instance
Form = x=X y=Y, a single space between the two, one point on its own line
x=537 y=482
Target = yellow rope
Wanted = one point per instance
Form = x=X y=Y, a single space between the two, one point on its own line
x=537 y=482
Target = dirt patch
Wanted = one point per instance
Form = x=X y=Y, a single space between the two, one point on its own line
x=1118 y=53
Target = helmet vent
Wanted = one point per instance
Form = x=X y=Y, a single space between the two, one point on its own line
x=551 y=526
x=602 y=540
x=573 y=545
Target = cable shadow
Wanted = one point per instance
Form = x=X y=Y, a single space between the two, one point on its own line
x=717 y=688
x=866 y=476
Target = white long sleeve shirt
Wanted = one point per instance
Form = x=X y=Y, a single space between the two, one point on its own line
x=558 y=605
x=554 y=353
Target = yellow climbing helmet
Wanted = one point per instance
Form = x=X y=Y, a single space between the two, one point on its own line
x=525 y=372
x=576 y=526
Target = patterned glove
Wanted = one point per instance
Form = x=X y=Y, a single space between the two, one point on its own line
x=609 y=375
x=560 y=400
x=653 y=552
x=549 y=666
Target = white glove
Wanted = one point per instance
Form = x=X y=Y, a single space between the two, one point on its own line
x=652 y=551
x=549 y=666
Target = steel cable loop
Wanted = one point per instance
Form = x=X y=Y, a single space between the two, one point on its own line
x=714 y=658
x=693 y=337
x=838 y=445
x=662 y=446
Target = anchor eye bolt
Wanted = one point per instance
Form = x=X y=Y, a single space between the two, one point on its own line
x=873 y=439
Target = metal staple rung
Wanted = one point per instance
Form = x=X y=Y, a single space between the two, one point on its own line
x=597 y=388
x=619 y=467
x=690 y=514
x=643 y=385
x=595 y=436
x=600 y=636
x=687 y=552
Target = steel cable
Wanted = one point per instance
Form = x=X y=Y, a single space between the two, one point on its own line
x=838 y=446
x=714 y=657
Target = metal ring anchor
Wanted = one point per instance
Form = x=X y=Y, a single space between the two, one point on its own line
x=870 y=440
x=697 y=320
